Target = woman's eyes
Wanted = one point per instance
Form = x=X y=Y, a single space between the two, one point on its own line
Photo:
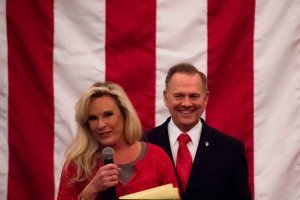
x=92 y=117
x=105 y=115
x=108 y=114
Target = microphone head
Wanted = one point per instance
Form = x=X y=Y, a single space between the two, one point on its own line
x=108 y=155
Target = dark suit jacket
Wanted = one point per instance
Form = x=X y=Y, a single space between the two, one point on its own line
x=219 y=170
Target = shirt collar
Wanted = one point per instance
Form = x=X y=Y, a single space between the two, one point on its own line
x=194 y=133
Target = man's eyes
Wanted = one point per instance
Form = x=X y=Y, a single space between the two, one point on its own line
x=180 y=96
x=194 y=96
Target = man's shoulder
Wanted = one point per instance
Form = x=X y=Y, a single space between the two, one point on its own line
x=160 y=128
x=220 y=136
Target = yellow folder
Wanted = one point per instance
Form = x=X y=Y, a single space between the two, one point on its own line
x=161 y=192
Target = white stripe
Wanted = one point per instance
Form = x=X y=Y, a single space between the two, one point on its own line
x=277 y=100
x=79 y=60
x=181 y=37
x=3 y=103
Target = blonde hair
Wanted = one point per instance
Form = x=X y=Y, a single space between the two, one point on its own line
x=84 y=149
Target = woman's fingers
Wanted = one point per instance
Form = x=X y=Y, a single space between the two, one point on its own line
x=107 y=175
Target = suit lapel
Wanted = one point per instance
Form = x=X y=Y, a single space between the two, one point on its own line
x=164 y=141
x=203 y=151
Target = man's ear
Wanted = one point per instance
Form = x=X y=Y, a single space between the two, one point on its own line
x=207 y=96
x=165 y=97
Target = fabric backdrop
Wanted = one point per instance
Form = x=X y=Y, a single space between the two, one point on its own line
x=51 y=51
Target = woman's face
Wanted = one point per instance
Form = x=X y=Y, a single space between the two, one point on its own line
x=106 y=121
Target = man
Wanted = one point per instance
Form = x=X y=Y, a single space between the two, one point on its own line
x=218 y=168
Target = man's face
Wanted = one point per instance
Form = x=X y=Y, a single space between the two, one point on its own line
x=185 y=99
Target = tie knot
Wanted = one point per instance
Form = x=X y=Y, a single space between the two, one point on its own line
x=183 y=138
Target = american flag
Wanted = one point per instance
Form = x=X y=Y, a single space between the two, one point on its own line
x=53 y=50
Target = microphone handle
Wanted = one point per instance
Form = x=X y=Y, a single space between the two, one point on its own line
x=109 y=194
x=108 y=161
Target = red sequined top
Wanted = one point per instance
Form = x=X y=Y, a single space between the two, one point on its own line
x=153 y=170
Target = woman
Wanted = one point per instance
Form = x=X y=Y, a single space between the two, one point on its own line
x=106 y=118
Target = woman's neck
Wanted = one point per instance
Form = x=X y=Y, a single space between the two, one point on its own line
x=127 y=153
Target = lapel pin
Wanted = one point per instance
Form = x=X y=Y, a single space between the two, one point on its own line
x=206 y=143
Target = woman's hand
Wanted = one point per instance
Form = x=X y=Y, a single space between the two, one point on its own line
x=106 y=177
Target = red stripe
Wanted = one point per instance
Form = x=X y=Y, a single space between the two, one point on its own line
x=230 y=70
x=31 y=112
x=130 y=53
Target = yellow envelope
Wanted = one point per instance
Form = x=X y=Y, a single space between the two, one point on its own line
x=161 y=192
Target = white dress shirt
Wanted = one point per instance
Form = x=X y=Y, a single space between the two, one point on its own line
x=194 y=133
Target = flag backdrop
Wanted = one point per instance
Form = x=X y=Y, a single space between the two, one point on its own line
x=51 y=51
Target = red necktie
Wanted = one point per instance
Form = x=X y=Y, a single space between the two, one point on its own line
x=184 y=159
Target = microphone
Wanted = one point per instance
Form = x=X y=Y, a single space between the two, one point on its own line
x=108 y=157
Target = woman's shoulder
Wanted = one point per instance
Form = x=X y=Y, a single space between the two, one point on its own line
x=69 y=167
x=153 y=146
x=154 y=150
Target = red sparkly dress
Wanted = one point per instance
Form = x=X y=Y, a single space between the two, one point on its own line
x=153 y=169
